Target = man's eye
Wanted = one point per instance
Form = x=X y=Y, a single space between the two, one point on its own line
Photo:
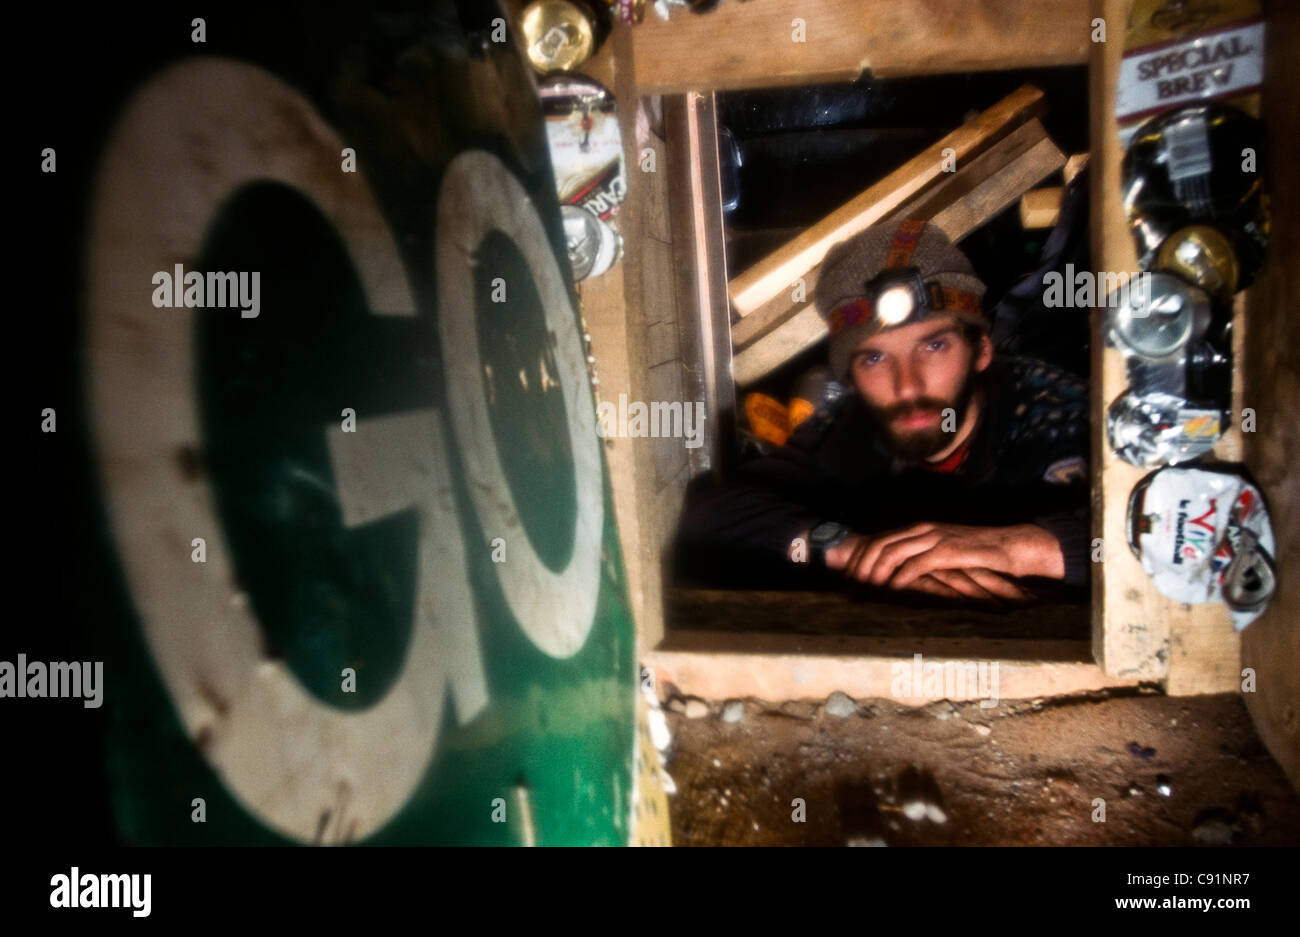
x=867 y=359
x=939 y=344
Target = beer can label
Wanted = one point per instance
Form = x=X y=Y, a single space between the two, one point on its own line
x=1186 y=53
x=1205 y=536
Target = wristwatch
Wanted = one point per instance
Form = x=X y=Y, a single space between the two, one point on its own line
x=824 y=536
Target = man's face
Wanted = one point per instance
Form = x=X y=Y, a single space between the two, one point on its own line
x=909 y=375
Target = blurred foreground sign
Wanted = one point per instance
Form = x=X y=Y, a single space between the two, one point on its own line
x=370 y=587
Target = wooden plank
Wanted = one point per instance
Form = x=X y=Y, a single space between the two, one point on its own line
x=1075 y=165
x=657 y=210
x=755 y=44
x=990 y=197
x=605 y=310
x=1136 y=630
x=775 y=273
x=667 y=453
x=1270 y=366
x=668 y=503
x=798 y=333
x=614 y=311
x=928 y=203
x=1041 y=207
x=806 y=327
x=844 y=612
x=695 y=203
x=718 y=666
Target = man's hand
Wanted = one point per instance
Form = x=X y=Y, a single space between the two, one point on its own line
x=899 y=557
x=935 y=558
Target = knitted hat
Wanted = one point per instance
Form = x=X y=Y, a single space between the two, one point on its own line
x=842 y=296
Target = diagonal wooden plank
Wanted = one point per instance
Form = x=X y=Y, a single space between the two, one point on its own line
x=927 y=204
x=806 y=327
x=776 y=272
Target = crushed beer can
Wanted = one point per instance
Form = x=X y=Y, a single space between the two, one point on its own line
x=586 y=147
x=1154 y=429
x=1162 y=318
x=1179 y=377
x=1202 y=256
x=593 y=246
x=1205 y=536
x=630 y=12
x=1199 y=166
x=560 y=35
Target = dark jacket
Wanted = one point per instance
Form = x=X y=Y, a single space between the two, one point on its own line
x=1027 y=463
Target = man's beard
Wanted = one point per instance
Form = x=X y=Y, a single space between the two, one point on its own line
x=918 y=445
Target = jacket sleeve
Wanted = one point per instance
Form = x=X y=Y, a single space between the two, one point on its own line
x=1071 y=532
x=1064 y=511
x=771 y=501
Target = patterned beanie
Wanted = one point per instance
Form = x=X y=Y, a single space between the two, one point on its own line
x=842 y=297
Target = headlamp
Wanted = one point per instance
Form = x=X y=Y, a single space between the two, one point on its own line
x=896 y=295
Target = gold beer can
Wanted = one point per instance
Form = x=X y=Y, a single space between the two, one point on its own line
x=1201 y=255
x=559 y=35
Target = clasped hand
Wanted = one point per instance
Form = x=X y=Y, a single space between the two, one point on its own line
x=951 y=560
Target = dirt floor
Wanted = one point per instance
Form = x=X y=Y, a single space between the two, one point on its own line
x=1171 y=771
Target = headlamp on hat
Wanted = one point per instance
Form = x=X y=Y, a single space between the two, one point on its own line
x=897 y=294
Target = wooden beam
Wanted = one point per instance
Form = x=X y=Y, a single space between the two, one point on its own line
x=1041 y=208
x=718 y=665
x=775 y=273
x=1075 y=165
x=1136 y=630
x=806 y=327
x=613 y=308
x=699 y=239
x=758 y=43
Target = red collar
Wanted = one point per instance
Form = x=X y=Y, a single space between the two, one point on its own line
x=952 y=462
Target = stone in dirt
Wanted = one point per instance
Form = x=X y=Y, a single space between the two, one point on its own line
x=840 y=704
x=696 y=708
x=1214 y=827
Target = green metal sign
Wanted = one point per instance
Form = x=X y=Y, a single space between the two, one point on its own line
x=370 y=585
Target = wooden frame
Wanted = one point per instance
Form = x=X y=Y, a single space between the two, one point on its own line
x=1137 y=631
x=1138 y=636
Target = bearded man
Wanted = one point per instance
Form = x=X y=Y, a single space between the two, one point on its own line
x=947 y=471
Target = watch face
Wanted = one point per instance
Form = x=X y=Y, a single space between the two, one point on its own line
x=826 y=532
